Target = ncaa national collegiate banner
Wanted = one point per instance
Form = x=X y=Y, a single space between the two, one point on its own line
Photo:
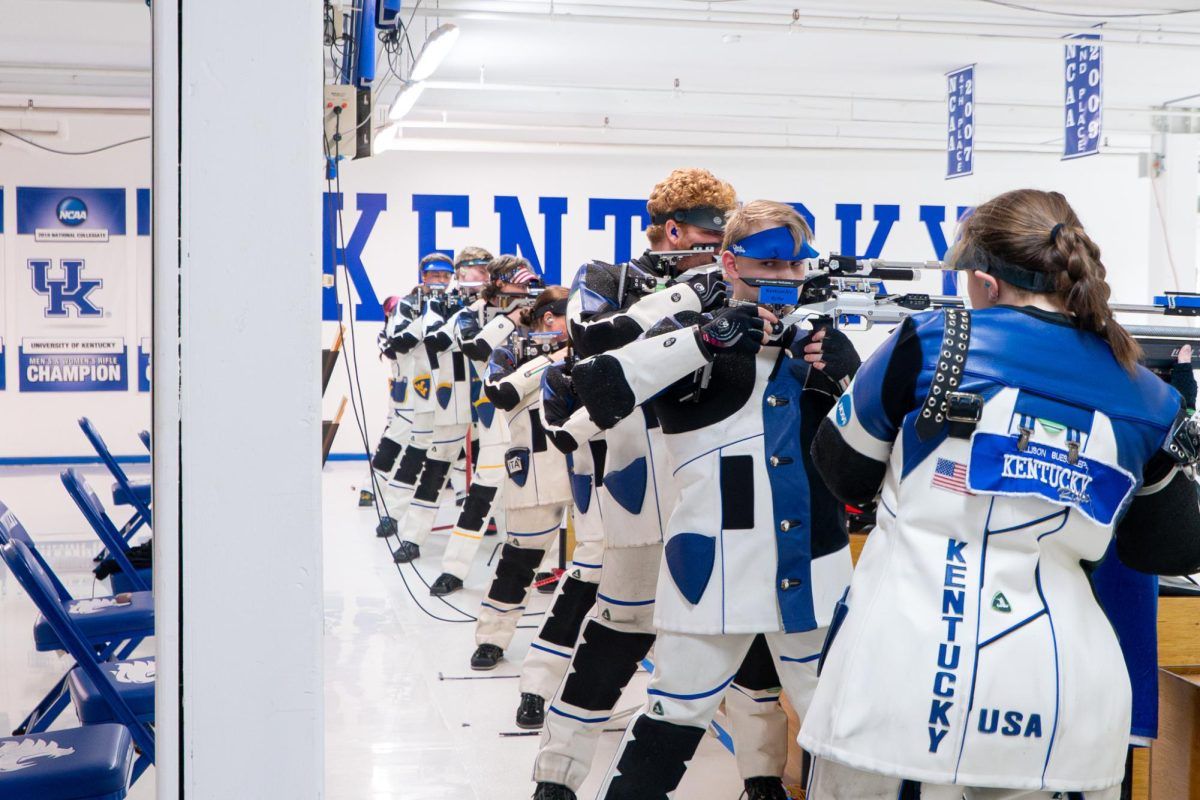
x=960 y=104
x=1083 y=95
x=70 y=303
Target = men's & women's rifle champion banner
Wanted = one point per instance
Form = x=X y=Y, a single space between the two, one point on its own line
x=1083 y=95
x=70 y=304
x=960 y=104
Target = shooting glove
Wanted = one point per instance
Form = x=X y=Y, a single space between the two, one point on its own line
x=837 y=352
x=733 y=330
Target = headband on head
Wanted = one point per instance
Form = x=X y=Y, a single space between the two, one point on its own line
x=558 y=308
x=474 y=262
x=1031 y=280
x=709 y=218
x=1054 y=232
x=518 y=274
x=773 y=243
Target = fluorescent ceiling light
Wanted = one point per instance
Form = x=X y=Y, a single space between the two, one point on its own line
x=437 y=47
x=404 y=101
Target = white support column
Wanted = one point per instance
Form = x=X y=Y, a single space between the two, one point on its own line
x=237 y=431
x=1174 y=192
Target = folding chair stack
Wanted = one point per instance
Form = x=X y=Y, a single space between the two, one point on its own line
x=111 y=691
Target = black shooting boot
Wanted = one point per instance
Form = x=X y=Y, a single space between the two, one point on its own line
x=406 y=552
x=445 y=584
x=532 y=712
x=765 y=788
x=486 y=657
x=553 y=791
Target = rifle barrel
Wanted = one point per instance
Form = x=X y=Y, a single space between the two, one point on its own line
x=1164 y=331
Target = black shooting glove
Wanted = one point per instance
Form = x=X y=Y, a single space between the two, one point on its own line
x=708 y=282
x=1184 y=381
x=734 y=330
x=841 y=361
x=559 y=400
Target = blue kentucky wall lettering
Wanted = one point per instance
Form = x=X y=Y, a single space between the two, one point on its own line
x=333 y=255
x=515 y=236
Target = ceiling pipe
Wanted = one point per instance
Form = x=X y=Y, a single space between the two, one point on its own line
x=915 y=142
x=998 y=105
x=494 y=146
x=780 y=22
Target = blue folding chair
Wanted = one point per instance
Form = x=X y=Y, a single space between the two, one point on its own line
x=92 y=763
x=112 y=538
x=112 y=629
x=125 y=491
x=101 y=691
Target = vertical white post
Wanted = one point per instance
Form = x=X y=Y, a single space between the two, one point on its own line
x=1174 y=189
x=237 y=398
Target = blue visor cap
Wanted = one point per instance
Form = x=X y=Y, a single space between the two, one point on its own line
x=438 y=266
x=773 y=243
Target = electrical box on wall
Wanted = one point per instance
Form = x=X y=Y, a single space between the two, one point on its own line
x=341 y=119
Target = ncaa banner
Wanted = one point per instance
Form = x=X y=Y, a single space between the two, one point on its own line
x=71 y=271
x=80 y=365
x=960 y=105
x=1083 y=96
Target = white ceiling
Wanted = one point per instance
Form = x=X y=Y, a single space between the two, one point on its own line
x=737 y=73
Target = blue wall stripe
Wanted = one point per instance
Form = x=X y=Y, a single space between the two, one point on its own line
x=40 y=461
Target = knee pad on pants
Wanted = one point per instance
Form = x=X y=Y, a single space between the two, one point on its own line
x=604 y=662
x=568 y=612
x=385 y=456
x=477 y=507
x=410 y=465
x=514 y=574
x=653 y=759
x=433 y=478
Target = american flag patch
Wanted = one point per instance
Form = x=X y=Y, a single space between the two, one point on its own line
x=951 y=476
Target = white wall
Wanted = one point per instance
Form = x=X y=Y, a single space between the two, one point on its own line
x=1105 y=190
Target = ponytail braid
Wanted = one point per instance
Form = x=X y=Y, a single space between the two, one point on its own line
x=1084 y=290
x=1040 y=231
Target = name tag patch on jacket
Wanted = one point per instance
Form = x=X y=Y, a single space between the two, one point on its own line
x=999 y=466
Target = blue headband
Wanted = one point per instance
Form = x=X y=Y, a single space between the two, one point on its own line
x=437 y=266
x=773 y=243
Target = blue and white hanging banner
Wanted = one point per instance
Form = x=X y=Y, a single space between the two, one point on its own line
x=143 y=365
x=1083 y=95
x=70 y=215
x=73 y=365
x=960 y=105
